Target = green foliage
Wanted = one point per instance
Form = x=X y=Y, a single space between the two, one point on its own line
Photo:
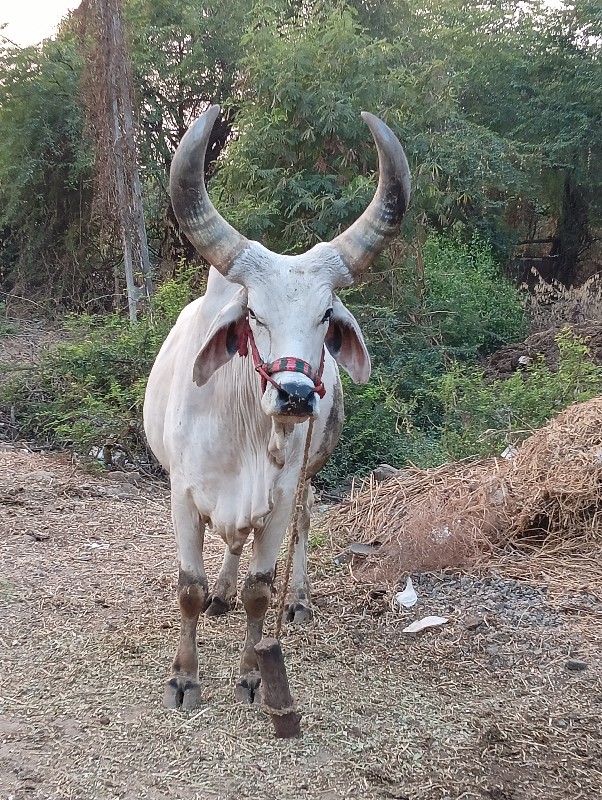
x=378 y=429
x=472 y=307
x=496 y=105
x=301 y=167
x=185 y=55
x=461 y=308
x=481 y=418
x=88 y=392
x=45 y=170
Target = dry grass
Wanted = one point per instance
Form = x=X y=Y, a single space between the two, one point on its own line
x=538 y=513
x=88 y=625
x=424 y=519
x=551 y=304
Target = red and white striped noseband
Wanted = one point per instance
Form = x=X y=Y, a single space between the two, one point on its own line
x=287 y=364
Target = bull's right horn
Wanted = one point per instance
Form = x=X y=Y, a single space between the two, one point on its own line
x=214 y=238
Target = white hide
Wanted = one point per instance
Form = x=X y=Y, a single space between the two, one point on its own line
x=227 y=458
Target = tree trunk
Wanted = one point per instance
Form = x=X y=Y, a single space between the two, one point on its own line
x=108 y=91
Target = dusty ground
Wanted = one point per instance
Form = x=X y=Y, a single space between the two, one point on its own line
x=486 y=707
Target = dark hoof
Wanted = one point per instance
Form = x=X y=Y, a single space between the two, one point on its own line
x=298 y=613
x=247 y=688
x=217 y=607
x=185 y=695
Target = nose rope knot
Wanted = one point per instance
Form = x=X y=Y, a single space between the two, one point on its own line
x=287 y=364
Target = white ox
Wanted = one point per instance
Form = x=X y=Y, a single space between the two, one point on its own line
x=233 y=440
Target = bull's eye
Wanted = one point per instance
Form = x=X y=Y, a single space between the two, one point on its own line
x=253 y=316
x=327 y=315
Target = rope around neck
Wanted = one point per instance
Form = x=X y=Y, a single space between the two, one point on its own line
x=294 y=530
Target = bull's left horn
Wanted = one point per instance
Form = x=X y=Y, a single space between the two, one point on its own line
x=214 y=238
x=359 y=245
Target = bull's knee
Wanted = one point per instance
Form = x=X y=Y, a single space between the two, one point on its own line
x=256 y=594
x=192 y=595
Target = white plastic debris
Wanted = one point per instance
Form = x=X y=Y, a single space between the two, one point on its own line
x=439 y=535
x=425 y=622
x=408 y=597
x=509 y=453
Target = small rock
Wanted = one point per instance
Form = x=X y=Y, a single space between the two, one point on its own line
x=473 y=622
x=343 y=558
x=42 y=476
x=383 y=472
x=576 y=665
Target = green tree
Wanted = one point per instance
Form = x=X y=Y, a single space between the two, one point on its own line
x=46 y=247
x=532 y=74
x=302 y=165
x=186 y=55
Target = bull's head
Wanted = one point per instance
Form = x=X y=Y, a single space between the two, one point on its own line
x=287 y=306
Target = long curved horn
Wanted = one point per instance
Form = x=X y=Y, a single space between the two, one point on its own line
x=359 y=245
x=214 y=238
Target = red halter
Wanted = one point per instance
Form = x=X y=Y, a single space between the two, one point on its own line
x=280 y=365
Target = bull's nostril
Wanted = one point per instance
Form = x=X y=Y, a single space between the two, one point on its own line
x=296 y=399
x=297 y=392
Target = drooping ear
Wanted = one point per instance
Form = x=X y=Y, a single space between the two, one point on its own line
x=222 y=340
x=345 y=342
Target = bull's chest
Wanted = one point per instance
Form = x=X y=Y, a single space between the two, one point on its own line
x=242 y=497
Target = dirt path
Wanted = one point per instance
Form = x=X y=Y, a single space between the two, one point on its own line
x=486 y=707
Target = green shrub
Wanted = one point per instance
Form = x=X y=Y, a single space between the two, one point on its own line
x=88 y=391
x=461 y=306
x=377 y=430
x=472 y=308
x=481 y=418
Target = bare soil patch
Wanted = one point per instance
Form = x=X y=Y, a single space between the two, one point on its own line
x=541 y=344
x=492 y=705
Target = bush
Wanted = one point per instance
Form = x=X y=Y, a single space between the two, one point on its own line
x=458 y=306
x=377 y=430
x=481 y=418
x=472 y=307
x=88 y=392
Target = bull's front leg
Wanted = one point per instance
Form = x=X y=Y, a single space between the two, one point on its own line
x=256 y=595
x=183 y=690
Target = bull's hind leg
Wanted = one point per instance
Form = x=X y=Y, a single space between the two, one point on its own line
x=183 y=689
x=224 y=592
x=298 y=606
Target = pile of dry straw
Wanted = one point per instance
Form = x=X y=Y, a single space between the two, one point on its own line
x=546 y=499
